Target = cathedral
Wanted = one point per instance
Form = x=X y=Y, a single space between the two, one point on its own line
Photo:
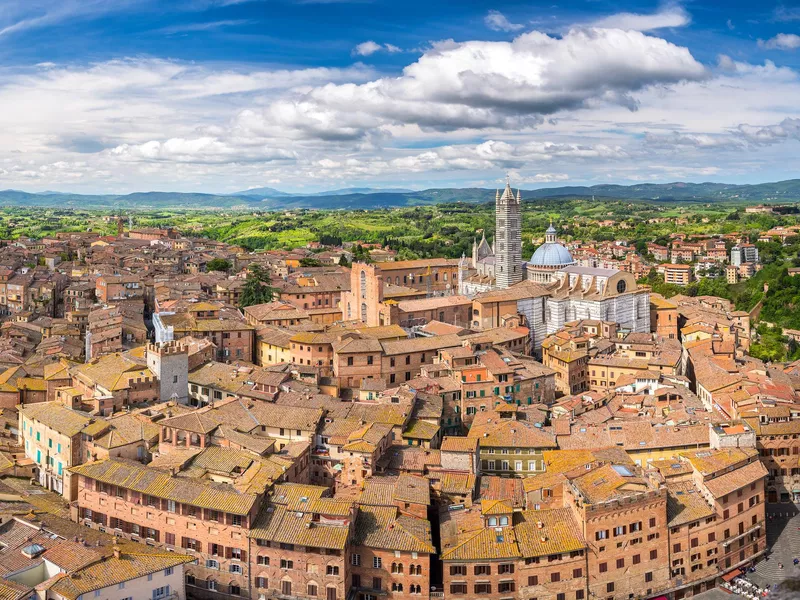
x=557 y=290
x=500 y=265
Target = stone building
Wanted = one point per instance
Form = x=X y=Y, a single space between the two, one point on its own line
x=169 y=362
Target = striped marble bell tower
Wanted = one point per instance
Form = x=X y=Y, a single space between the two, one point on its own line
x=508 y=238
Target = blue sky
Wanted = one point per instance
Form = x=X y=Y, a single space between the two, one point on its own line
x=216 y=95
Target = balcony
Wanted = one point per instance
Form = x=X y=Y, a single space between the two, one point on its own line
x=757 y=527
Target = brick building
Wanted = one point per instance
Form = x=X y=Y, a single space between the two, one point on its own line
x=181 y=505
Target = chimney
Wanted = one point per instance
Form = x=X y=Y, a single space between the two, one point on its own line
x=117 y=552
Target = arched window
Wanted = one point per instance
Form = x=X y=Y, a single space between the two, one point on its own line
x=364 y=312
x=621 y=286
x=492 y=521
x=363 y=284
x=211 y=585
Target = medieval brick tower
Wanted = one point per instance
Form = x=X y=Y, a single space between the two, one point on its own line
x=508 y=238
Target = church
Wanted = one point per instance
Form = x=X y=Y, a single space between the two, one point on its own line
x=563 y=292
x=500 y=265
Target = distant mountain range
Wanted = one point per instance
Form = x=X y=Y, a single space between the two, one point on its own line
x=265 y=192
x=265 y=198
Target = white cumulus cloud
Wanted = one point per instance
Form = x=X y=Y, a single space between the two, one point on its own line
x=782 y=41
x=497 y=21
x=369 y=48
x=672 y=15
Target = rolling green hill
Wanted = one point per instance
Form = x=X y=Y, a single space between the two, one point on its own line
x=367 y=198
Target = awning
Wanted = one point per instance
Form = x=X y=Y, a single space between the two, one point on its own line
x=733 y=574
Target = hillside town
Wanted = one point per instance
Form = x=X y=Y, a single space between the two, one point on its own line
x=542 y=428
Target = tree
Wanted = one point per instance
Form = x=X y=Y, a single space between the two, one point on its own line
x=257 y=288
x=361 y=254
x=218 y=264
x=310 y=262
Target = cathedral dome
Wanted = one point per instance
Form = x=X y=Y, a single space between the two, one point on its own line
x=551 y=254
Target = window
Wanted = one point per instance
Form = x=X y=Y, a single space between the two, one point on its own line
x=637 y=559
x=459 y=589
x=648 y=577
x=312 y=589
x=355 y=559
x=460 y=570
x=603 y=567
x=483 y=588
x=262 y=561
x=332 y=570
x=577 y=573
x=533 y=580
x=555 y=577
x=212 y=564
x=121 y=586
x=236 y=568
x=262 y=582
x=287 y=564
x=168 y=571
x=377 y=562
x=505 y=568
x=579 y=595
x=483 y=570
x=610 y=587
x=653 y=554
x=620 y=563
x=505 y=586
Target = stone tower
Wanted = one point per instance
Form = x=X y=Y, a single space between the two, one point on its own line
x=508 y=238
x=169 y=362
